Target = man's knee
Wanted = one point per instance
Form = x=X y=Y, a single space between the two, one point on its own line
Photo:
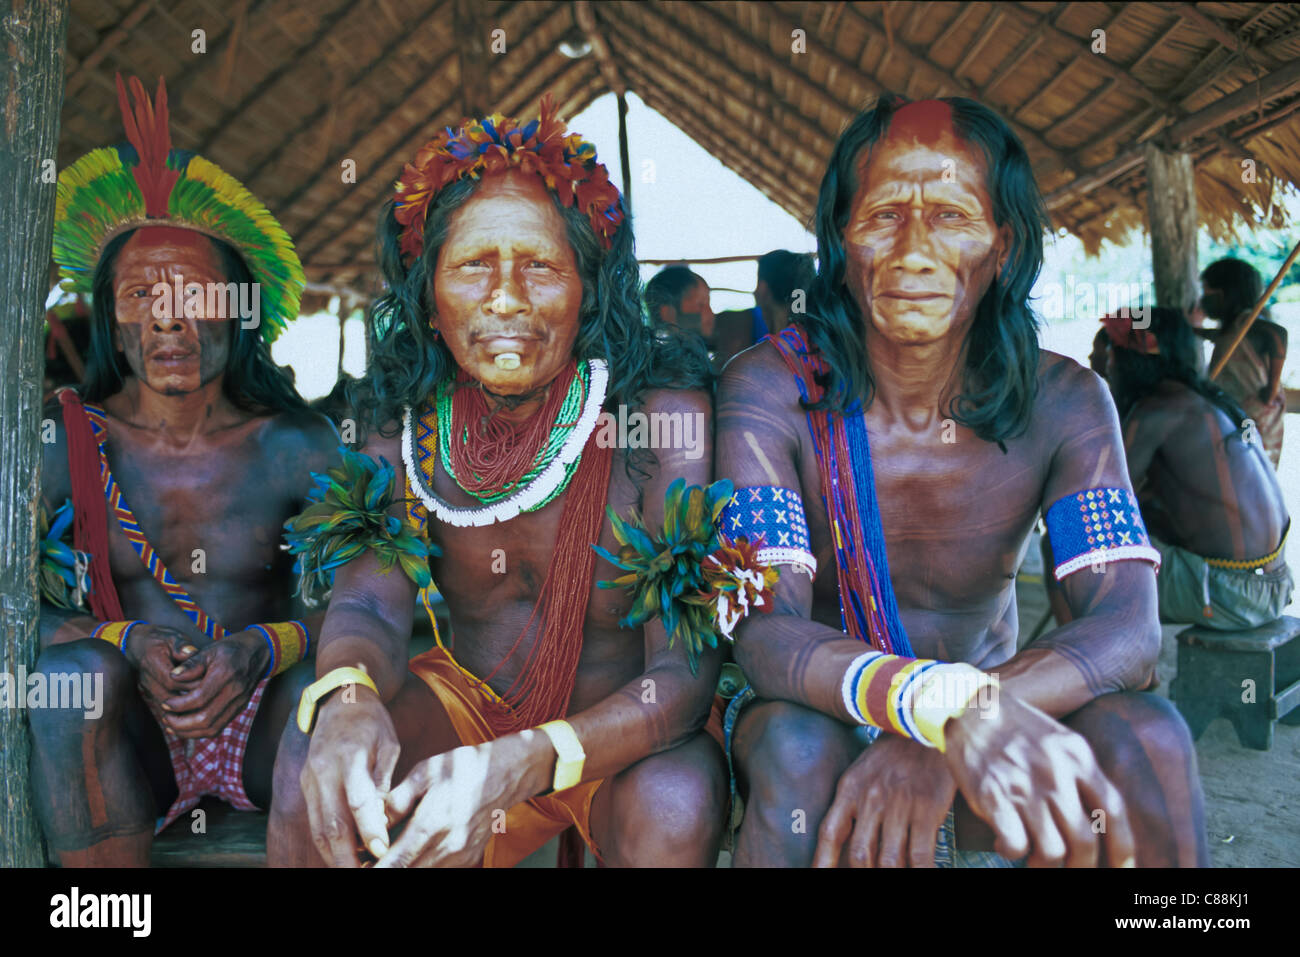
x=102 y=680
x=287 y=803
x=1128 y=729
x=785 y=749
x=678 y=798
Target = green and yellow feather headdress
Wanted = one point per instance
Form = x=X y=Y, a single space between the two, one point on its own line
x=144 y=182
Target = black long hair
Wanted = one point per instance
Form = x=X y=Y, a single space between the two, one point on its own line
x=1000 y=378
x=252 y=380
x=1135 y=375
x=407 y=361
x=1239 y=282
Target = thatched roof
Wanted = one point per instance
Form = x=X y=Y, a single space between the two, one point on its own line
x=286 y=92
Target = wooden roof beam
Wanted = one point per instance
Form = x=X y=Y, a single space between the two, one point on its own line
x=977 y=47
x=689 y=108
x=1220 y=34
x=400 y=149
x=330 y=165
x=1067 y=67
x=696 y=103
x=734 y=35
x=1279 y=83
x=1031 y=139
x=707 y=139
x=107 y=44
x=1130 y=83
x=408 y=147
x=586 y=19
x=1017 y=56
x=287 y=63
x=471 y=57
x=400 y=42
x=718 y=61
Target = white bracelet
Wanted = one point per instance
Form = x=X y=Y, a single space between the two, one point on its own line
x=846 y=686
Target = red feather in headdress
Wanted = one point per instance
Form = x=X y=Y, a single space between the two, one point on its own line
x=147 y=131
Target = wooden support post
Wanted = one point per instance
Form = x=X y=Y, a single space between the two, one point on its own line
x=1171 y=218
x=32 y=73
x=624 y=158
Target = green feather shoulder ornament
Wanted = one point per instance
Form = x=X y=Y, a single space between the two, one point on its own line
x=699 y=581
x=347 y=514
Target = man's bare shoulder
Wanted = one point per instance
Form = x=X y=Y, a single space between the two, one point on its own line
x=385 y=442
x=302 y=429
x=758 y=375
x=1070 y=395
x=684 y=401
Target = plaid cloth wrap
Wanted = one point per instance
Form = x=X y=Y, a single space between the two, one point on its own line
x=777 y=515
x=1095 y=526
x=212 y=765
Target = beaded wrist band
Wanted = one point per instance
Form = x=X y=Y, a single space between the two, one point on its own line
x=913 y=697
x=289 y=644
x=115 y=632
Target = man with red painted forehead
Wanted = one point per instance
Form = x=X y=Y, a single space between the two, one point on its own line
x=513 y=320
x=911 y=425
x=171 y=469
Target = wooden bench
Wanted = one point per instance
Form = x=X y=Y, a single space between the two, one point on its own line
x=228 y=838
x=1252 y=678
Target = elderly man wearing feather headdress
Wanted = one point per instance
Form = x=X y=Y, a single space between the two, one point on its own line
x=172 y=469
x=511 y=331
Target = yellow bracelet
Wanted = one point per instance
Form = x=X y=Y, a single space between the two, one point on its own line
x=312 y=694
x=569 y=756
x=933 y=707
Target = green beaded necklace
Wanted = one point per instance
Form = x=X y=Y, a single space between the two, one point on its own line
x=565 y=422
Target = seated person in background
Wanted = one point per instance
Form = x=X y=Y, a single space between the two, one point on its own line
x=784 y=279
x=192 y=620
x=678 y=297
x=1253 y=374
x=912 y=408
x=1207 y=493
x=1099 y=357
x=494 y=348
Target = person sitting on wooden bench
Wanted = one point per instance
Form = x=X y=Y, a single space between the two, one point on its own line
x=1207 y=491
x=183 y=415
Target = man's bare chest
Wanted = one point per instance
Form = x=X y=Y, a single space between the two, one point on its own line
x=484 y=571
x=955 y=516
x=207 y=516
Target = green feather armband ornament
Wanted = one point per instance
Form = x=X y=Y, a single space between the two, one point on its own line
x=687 y=573
x=64 y=573
x=347 y=514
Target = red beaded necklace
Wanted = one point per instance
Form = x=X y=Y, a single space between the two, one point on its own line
x=490 y=454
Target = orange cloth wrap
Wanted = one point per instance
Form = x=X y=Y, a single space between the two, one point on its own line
x=534 y=822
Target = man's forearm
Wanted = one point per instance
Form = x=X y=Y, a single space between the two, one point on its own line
x=790 y=658
x=1091 y=656
x=353 y=635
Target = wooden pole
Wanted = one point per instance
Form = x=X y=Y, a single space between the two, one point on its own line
x=624 y=159
x=32 y=71
x=1171 y=218
x=1254 y=314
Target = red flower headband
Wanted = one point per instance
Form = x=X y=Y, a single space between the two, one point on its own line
x=564 y=161
x=1121 y=332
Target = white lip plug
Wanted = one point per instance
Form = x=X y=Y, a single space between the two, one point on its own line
x=507 y=361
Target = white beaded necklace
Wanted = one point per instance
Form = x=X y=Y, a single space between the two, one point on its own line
x=529 y=495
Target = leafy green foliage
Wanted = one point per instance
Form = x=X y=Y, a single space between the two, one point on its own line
x=347 y=514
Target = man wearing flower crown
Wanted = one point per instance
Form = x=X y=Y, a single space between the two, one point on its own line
x=912 y=407
x=171 y=471
x=512 y=320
